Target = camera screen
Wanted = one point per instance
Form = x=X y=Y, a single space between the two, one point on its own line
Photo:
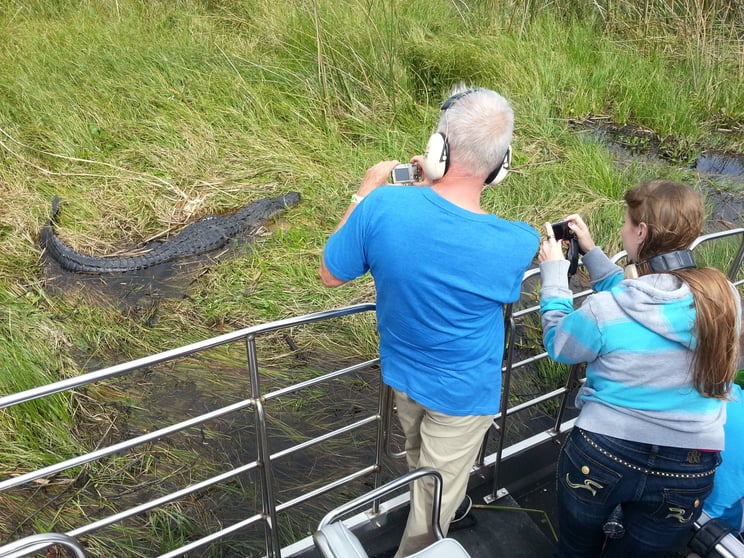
x=402 y=174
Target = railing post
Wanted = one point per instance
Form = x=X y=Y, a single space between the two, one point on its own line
x=736 y=264
x=273 y=545
x=504 y=402
x=388 y=405
x=571 y=382
x=384 y=420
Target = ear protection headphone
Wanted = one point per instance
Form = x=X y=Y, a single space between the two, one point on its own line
x=436 y=156
x=499 y=173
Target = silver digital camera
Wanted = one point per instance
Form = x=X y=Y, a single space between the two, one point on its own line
x=406 y=174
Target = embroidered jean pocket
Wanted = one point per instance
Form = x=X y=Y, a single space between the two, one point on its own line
x=587 y=477
x=683 y=505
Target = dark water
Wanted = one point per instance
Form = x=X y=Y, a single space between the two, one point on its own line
x=729 y=167
x=722 y=179
x=720 y=175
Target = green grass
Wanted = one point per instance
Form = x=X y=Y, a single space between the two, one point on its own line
x=143 y=115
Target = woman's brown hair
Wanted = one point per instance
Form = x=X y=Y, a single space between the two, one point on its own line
x=674 y=214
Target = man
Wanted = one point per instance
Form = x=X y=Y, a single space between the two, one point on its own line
x=443 y=269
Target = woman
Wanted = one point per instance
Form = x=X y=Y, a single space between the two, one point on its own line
x=661 y=349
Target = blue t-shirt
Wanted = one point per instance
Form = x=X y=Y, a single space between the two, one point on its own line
x=442 y=276
x=727 y=499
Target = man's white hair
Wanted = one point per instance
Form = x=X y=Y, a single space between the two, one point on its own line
x=478 y=124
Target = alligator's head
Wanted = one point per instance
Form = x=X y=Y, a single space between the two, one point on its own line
x=291 y=198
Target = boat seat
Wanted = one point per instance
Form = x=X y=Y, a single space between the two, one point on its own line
x=335 y=540
x=443 y=548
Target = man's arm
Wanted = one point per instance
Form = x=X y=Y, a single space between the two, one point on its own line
x=327 y=278
x=375 y=176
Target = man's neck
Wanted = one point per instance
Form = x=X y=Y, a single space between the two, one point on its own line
x=462 y=190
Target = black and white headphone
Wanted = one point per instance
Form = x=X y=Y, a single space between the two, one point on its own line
x=436 y=156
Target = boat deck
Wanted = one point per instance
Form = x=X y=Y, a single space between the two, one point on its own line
x=523 y=525
x=505 y=532
x=498 y=528
x=483 y=532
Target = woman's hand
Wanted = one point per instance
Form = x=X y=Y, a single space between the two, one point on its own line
x=550 y=248
x=579 y=228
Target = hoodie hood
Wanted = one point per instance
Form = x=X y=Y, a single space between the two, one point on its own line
x=662 y=303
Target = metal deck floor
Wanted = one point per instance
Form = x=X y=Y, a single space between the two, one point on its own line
x=485 y=532
x=512 y=532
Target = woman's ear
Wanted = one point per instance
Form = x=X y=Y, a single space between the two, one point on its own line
x=636 y=240
x=642 y=232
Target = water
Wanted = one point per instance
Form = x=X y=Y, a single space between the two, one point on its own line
x=720 y=175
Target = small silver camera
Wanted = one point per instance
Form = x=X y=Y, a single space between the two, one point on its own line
x=406 y=174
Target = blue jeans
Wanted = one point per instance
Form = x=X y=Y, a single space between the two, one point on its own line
x=661 y=490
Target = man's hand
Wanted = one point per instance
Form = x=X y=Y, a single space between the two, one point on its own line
x=423 y=179
x=376 y=175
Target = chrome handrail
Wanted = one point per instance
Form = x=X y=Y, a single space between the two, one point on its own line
x=375 y=495
x=32 y=543
x=263 y=463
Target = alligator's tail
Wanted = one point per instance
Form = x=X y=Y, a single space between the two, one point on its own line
x=71 y=260
x=55 y=208
x=207 y=238
x=47 y=236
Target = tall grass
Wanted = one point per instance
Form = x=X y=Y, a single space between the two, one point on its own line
x=143 y=115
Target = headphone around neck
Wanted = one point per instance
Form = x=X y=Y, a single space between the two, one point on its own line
x=436 y=155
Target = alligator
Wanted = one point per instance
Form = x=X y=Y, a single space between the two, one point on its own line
x=208 y=233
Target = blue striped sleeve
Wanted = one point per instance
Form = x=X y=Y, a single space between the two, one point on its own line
x=571 y=338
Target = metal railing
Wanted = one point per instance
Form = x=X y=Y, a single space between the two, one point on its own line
x=256 y=402
x=262 y=465
x=42 y=541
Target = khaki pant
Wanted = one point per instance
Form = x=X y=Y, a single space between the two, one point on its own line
x=445 y=443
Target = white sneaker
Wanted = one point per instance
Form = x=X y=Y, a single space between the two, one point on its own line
x=462 y=510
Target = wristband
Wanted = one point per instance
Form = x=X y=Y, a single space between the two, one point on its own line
x=356 y=198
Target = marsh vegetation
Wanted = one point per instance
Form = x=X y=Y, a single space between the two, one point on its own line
x=144 y=115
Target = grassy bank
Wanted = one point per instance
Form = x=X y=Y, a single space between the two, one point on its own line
x=144 y=115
